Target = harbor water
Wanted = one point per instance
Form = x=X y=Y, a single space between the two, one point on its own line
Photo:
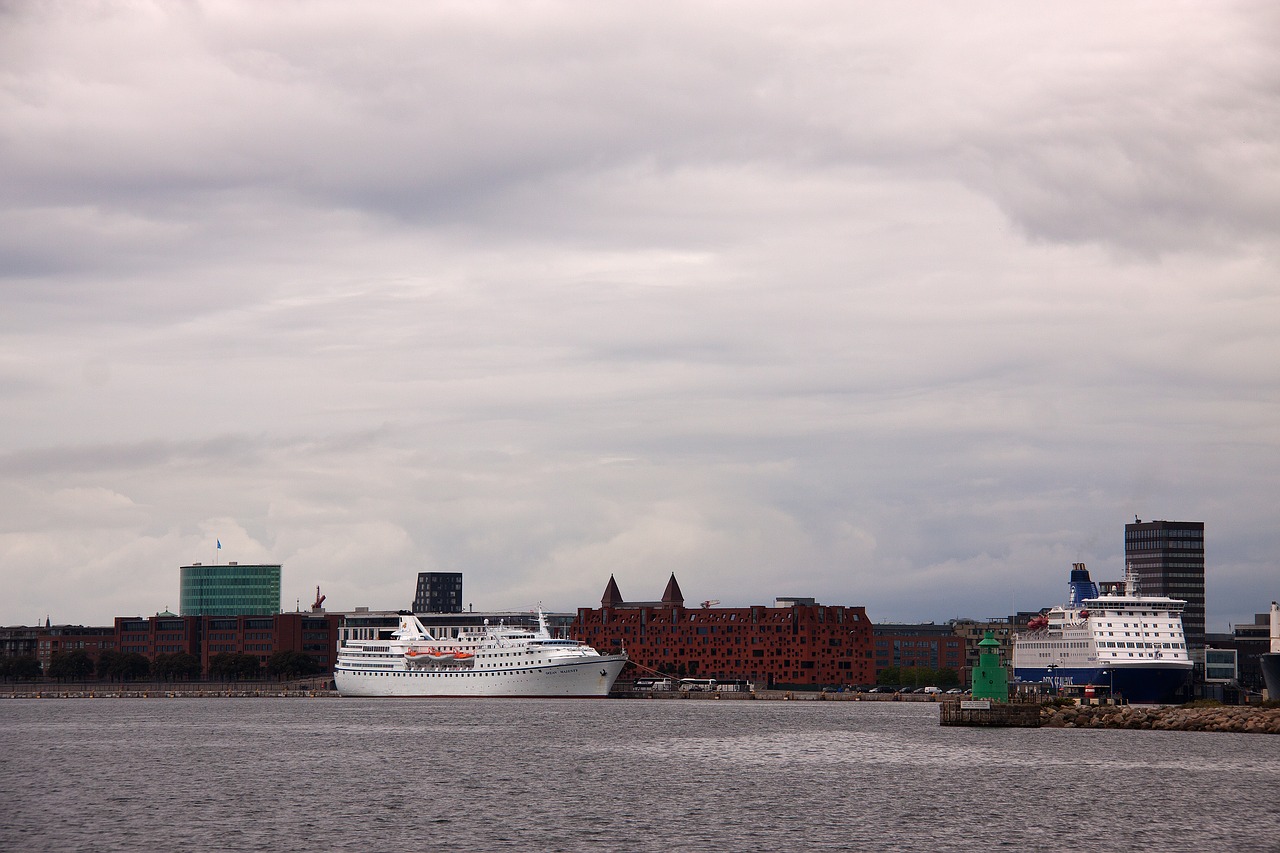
x=425 y=775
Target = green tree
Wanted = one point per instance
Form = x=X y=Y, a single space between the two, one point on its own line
x=160 y=666
x=890 y=676
x=184 y=667
x=123 y=666
x=25 y=668
x=233 y=666
x=75 y=665
x=179 y=666
x=109 y=664
x=131 y=666
x=291 y=665
x=921 y=676
x=248 y=667
x=220 y=666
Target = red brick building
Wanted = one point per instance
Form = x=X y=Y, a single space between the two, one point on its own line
x=803 y=644
x=314 y=634
x=925 y=646
x=162 y=634
x=53 y=639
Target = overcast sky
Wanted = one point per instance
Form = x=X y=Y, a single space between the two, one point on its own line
x=901 y=307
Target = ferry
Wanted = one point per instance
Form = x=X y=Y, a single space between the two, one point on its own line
x=494 y=661
x=1130 y=643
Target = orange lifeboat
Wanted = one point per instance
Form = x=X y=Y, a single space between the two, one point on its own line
x=417 y=657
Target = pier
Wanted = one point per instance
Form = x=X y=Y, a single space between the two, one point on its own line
x=986 y=712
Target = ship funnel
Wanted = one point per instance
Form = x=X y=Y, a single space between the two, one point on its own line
x=1080 y=588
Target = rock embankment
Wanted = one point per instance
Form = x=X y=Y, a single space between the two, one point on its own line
x=1226 y=718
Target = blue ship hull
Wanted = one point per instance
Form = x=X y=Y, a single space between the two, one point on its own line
x=1140 y=685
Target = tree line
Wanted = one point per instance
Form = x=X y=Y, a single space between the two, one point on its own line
x=78 y=665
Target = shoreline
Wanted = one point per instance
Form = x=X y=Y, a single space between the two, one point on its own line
x=1238 y=719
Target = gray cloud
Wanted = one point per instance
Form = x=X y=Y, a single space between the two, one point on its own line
x=908 y=309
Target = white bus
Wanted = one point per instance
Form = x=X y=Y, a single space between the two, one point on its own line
x=654 y=684
x=697 y=685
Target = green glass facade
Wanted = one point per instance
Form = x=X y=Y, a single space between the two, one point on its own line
x=230 y=590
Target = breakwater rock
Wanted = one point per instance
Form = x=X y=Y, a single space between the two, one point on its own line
x=1243 y=719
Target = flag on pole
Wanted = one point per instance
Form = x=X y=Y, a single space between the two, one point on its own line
x=219 y=544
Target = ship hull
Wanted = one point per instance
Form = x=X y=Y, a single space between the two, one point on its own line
x=578 y=678
x=1142 y=685
x=1271 y=674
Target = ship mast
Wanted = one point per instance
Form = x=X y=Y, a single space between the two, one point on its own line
x=1132 y=583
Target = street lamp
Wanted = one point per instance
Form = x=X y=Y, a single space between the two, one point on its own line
x=1052 y=683
x=1111 y=690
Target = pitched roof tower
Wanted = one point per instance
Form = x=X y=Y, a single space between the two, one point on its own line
x=611 y=597
x=672 y=594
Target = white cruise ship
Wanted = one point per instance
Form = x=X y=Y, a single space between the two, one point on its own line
x=494 y=661
x=1129 y=642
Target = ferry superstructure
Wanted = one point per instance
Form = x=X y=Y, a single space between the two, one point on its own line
x=493 y=661
x=1129 y=642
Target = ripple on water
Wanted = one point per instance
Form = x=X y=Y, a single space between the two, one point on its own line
x=296 y=774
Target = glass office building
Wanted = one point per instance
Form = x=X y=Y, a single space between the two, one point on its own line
x=230 y=590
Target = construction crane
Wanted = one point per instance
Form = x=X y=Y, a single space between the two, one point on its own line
x=711 y=602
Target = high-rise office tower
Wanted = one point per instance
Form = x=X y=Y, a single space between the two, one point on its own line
x=1169 y=559
x=438 y=592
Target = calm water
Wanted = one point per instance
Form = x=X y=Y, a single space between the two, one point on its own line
x=427 y=775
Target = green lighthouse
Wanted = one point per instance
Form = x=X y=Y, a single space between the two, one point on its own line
x=990 y=680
